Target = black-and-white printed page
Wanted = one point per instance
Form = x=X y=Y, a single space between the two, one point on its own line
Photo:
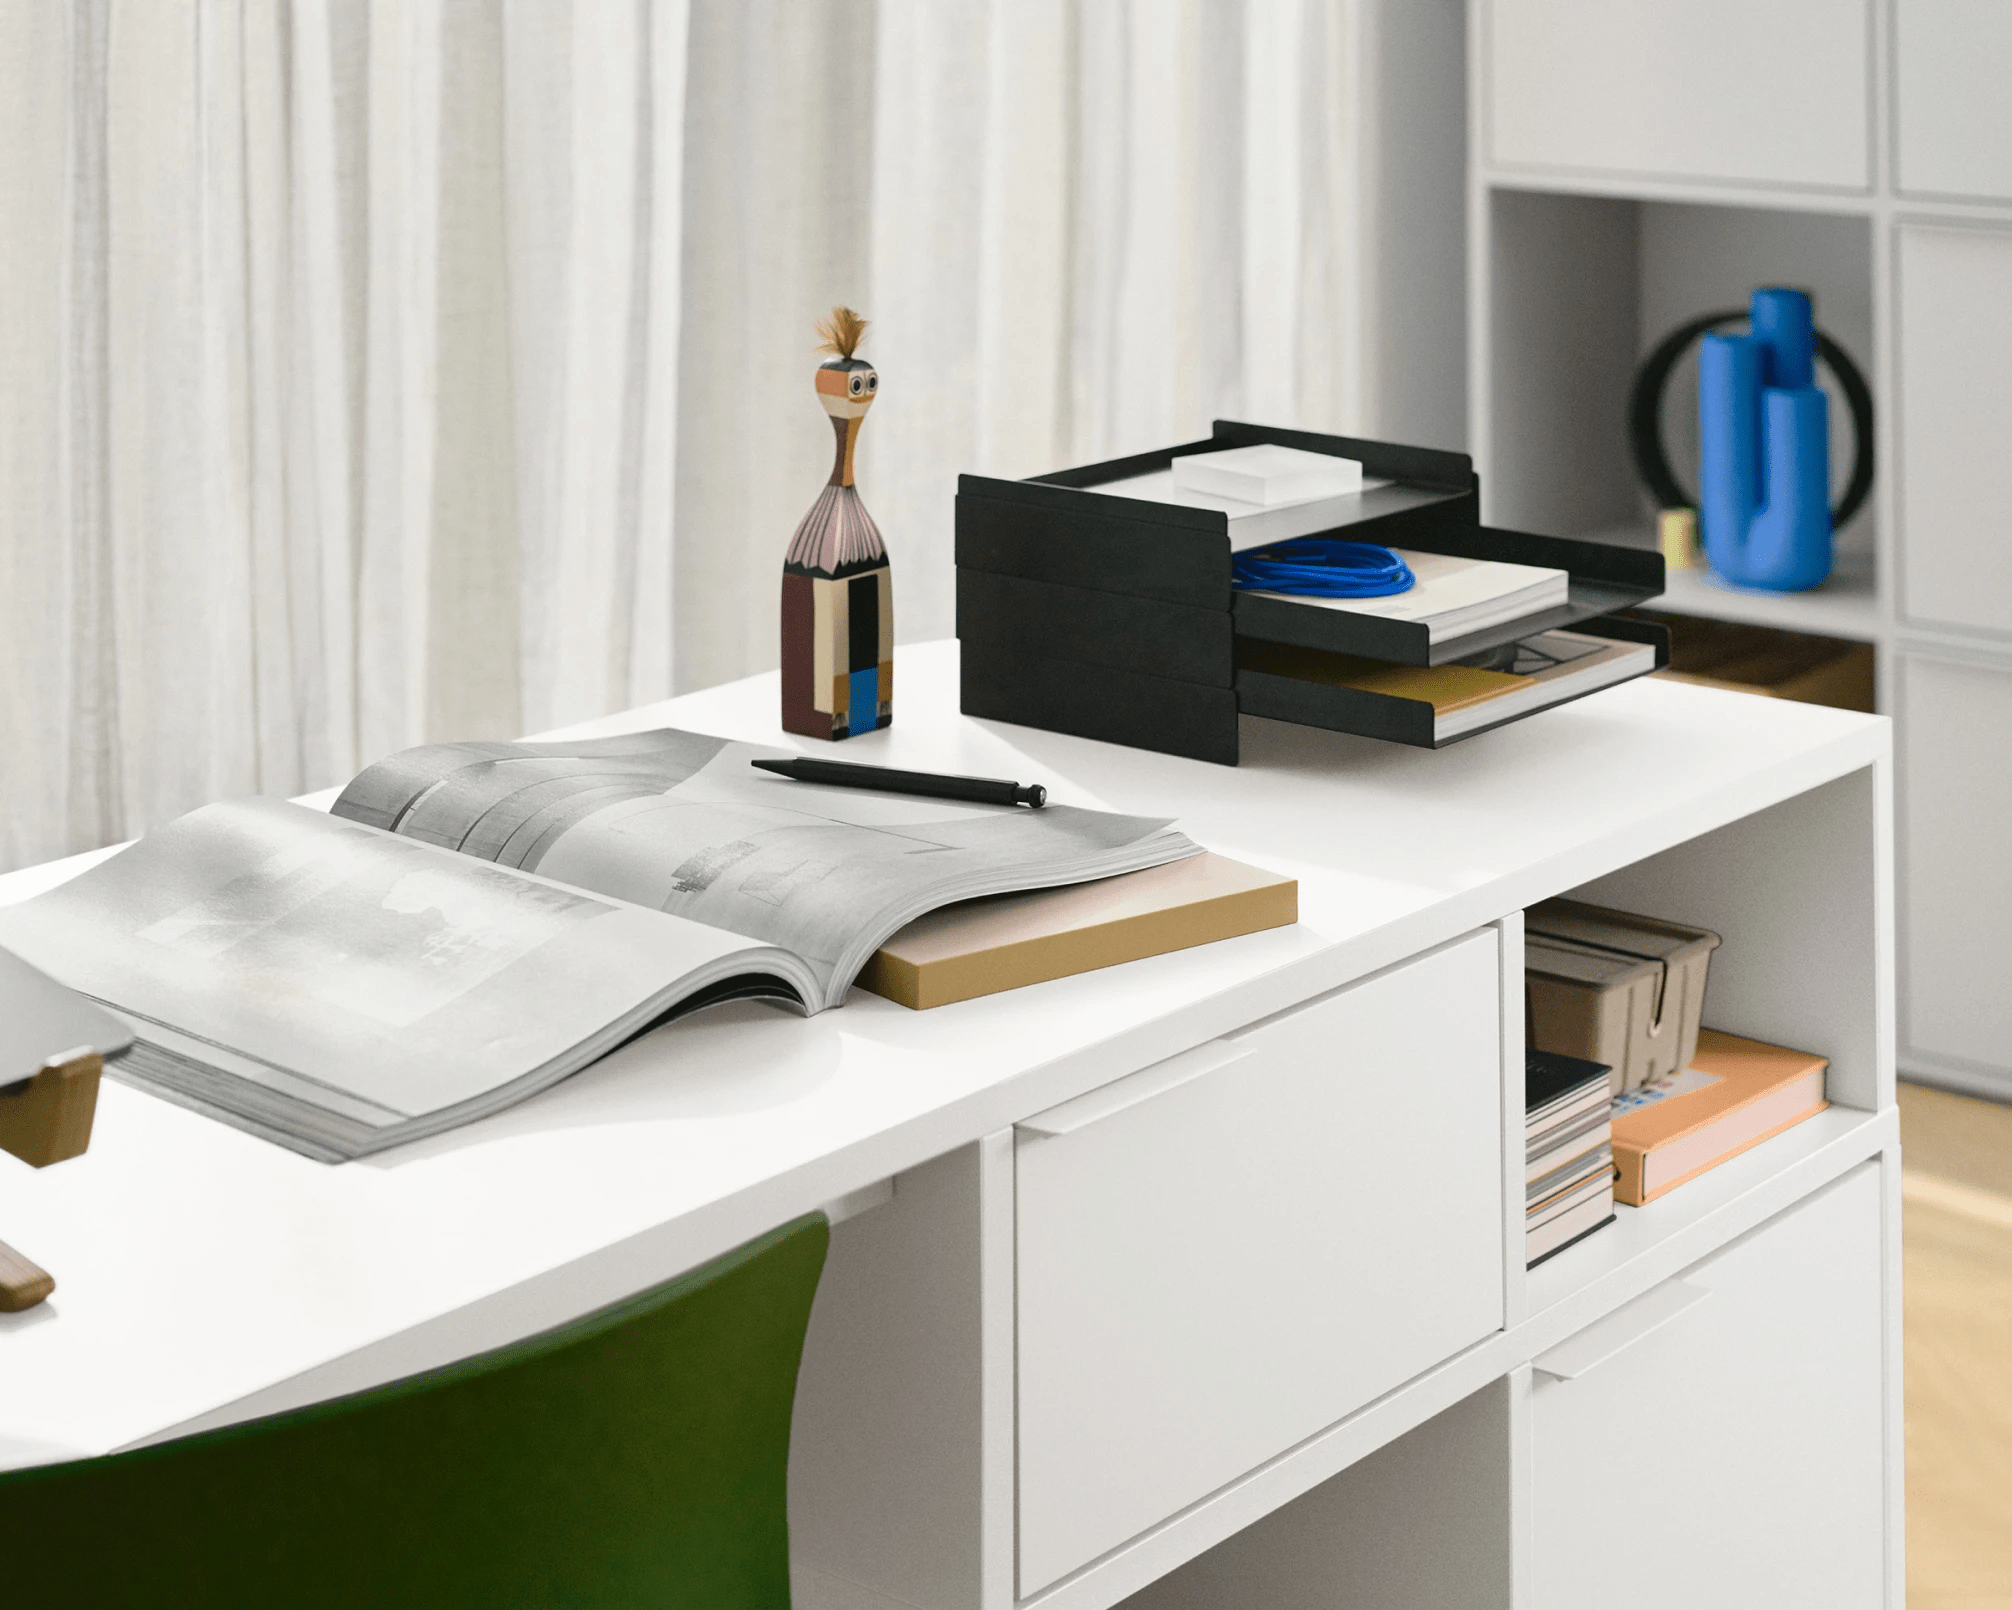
x=312 y=978
x=681 y=822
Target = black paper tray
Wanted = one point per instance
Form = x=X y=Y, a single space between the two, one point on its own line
x=1003 y=680
x=1050 y=529
x=1411 y=721
x=1418 y=477
x=1603 y=580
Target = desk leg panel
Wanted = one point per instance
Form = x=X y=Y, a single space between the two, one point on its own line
x=900 y=1479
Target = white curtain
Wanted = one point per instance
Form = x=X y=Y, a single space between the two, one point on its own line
x=378 y=371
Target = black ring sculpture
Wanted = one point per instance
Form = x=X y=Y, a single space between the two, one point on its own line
x=1645 y=416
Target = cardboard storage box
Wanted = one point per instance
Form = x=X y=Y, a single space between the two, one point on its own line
x=1616 y=988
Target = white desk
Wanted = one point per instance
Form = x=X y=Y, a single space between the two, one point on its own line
x=206 y=1277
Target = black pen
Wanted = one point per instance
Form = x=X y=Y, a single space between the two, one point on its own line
x=841 y=774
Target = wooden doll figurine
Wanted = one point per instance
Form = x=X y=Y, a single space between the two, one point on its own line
x=837 y=594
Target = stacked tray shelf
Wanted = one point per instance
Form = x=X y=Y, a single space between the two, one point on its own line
x=1110 y=617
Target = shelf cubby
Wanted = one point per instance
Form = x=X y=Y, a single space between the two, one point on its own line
x=1578 y=288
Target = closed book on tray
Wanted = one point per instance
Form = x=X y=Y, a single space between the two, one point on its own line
x=1735 y=1094
x=981 y=947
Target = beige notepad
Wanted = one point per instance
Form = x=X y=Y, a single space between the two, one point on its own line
x=980 y=947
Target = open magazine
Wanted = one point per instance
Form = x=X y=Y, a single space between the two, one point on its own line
x=473 y=922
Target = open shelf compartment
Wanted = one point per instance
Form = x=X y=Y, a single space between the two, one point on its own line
x=1577 y=289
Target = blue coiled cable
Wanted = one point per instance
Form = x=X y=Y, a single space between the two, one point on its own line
x=1321 y=567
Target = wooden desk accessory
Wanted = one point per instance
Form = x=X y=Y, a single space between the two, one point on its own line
x=47 y=1117
x=44 y=1119
x=837 y=591
x=22 y=1284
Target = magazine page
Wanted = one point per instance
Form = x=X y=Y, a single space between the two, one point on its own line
x=340 y=988
x=681 y=822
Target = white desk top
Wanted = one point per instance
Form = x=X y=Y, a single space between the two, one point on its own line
x=204 y=1276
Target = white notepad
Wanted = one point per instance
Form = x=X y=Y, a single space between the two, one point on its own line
x=1268 y=474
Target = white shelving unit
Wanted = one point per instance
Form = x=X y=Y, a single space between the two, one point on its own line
x=1635 y=163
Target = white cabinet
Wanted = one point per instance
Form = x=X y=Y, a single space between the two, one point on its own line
x=1952 y=62
x=1221 y=1256
x=1955 y=862
x=1635 y=163
x=1731 y=1455
x=1955 y=373
x=1741 y=91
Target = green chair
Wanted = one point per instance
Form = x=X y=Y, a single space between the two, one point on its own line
x=637 y=1457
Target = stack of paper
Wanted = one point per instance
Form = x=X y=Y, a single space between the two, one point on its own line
x=1568 y=1183
x=1269 y=493
x=1451 y=596
x=1267 y=474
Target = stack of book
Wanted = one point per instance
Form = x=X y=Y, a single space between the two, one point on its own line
x=1568 y=1151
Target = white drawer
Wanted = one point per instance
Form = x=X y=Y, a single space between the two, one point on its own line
x=1222 y=1255
x=1742 y=91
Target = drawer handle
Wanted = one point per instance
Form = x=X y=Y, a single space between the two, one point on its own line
x=1607 y=1338
x=854 y=1203
x=1134 y=1088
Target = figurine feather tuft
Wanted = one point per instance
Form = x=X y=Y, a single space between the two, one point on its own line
x=841 y=333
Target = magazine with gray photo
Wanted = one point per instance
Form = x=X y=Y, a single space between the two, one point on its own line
x=473 y=922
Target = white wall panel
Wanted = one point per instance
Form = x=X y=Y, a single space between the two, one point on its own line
x=1955 y=732
x=1955 y=424
x=1952 y=68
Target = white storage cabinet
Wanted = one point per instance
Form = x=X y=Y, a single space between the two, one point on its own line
x=1636 y=163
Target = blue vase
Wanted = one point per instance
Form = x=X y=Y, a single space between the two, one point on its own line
x=1764 y=450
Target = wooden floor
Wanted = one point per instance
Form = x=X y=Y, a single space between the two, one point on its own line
x=1957 y=1232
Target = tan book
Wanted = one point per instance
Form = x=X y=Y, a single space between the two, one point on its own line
x=980 y=947
x=1735 y=1094
x=1495 y=684
x=1446 y=688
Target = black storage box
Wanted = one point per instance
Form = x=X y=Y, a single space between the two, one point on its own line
x=1110 y=617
